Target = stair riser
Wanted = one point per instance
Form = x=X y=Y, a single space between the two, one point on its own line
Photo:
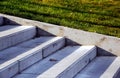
x=16 y=38
x=48 y=50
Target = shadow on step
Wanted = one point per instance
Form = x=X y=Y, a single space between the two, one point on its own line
x=7 y=21
x=102 y=52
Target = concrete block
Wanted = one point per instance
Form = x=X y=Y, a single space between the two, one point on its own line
x=9 y=71
x=1 y=20
x=68 y=68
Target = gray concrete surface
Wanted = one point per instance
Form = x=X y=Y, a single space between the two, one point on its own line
x=26 y=56
x=101 y=67
x=50 y=61
x=58 y=65
x=12 y=35
x=68 y=68
x=108 y=45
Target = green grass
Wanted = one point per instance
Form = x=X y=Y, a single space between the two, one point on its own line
x=101 y=16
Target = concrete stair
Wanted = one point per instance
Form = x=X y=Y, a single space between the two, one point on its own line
x=23 y=55
x=101 y=67
x=60 y=62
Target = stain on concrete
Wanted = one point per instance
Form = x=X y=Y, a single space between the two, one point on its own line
x=61 y=32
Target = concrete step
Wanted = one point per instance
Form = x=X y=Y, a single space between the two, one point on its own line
x=68 y=67
x=20 y=57
x=12 y=35
x=48 y=62
x=63 y=63
x=101 y=67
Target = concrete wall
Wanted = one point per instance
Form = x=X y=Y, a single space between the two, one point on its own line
x=107 y=45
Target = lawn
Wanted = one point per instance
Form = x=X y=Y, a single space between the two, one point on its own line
x=100 y=16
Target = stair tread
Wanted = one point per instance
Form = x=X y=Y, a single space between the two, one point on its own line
x=49 y=62
x=4 y=28
x=101 y=67
x=10 y=29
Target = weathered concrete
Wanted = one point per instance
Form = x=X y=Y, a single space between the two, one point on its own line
x=25 y=55
x=101 y=67
x=68 y=68
x=1 y=21
x=12 y=35
x=50 y=61
x=108 y=45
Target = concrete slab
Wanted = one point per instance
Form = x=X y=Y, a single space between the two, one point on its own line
x=14 y=35
x=101 y=67
x=48 y=62
x=68 y=67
